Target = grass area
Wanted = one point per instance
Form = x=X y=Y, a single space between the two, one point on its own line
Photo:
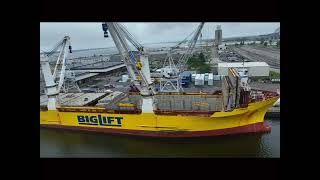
x=199 y=63
x=274 y=75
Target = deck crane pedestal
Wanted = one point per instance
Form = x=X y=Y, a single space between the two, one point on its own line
x=138 y=70
x=54 y=81
x=170 y=81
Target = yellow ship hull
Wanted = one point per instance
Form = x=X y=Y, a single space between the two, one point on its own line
x=240 y=120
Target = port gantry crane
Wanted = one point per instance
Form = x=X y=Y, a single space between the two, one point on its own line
x=171 y=81
x=55 y=81
x=138 y=70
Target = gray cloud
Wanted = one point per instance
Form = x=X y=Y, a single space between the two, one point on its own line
x=90 y=35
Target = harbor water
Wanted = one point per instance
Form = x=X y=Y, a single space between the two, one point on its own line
x=62 y=143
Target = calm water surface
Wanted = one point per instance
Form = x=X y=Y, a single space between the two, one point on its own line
x=60 y=143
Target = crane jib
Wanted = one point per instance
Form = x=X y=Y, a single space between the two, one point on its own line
x=121 y=37
x=132 y=58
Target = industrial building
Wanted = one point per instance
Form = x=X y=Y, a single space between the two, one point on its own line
x=255 y=69
x=218 y=36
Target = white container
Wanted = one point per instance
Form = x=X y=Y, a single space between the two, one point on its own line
x=210 y=79
x=125 y=78
x=193 y=77
x=199 y=80
x=202 y=79
x=206 y=76
x=196 y=79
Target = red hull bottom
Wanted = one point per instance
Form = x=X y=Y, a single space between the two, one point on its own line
x=251 y=128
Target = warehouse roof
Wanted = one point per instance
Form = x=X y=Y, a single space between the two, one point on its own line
x=240 y=64
x=85 y=76
x=97 y=65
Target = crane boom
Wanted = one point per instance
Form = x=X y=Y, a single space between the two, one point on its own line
x=130 y=38
x=170 y=69
x=61 y=62
x=183 y=41
x=53 y=87
x=137 y=69
x=183 y=59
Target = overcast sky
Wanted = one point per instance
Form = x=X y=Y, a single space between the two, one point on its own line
x=90 y=35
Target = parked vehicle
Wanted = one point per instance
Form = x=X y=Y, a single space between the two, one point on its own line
x=109 y=86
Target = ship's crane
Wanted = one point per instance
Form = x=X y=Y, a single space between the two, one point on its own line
x=169 y=69
x=131 y=38
x=55 y=80
x=171 y=81
x=181 y=65
x=138 y=70
x=184 y=58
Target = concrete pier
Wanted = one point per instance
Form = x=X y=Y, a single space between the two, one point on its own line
x=273 y=112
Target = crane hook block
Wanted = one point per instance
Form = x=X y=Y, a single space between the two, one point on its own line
x=105 y=29
x=106 y=34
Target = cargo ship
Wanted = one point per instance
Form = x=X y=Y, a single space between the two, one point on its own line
x=141 y=111
x=231 y=110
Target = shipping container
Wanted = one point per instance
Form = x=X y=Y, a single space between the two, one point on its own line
x=193 y=77
x=199 y=80
x=210 y=79
x=206 y=76
x=186 y=78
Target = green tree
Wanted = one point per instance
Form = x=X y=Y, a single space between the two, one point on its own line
x=198 y=62
x=270 y=42
x=265 y=44
x=204 y=68
x=191 y=61
x=202 y=58
x=261 y=41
